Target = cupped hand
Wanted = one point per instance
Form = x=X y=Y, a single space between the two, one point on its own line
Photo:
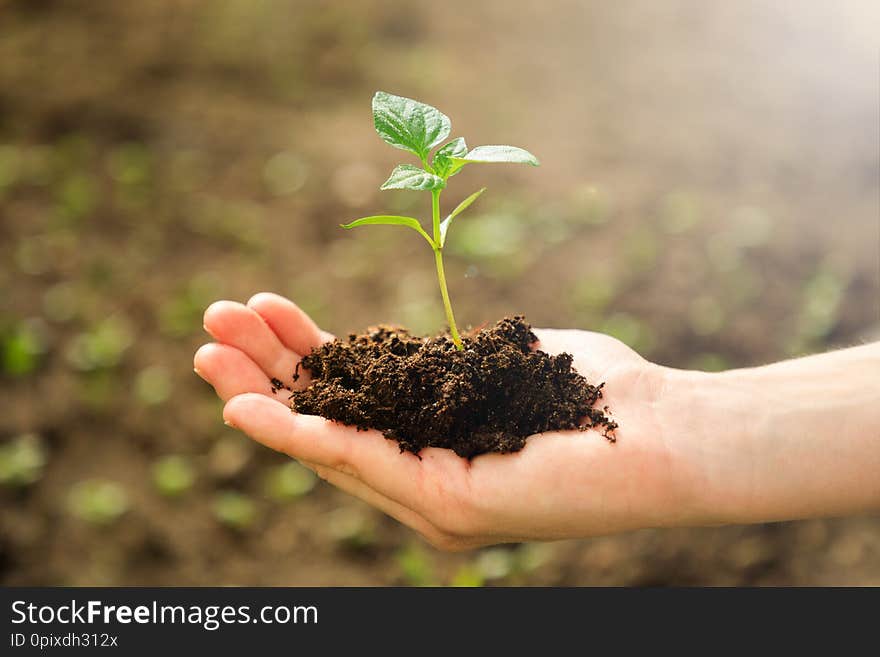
x=563 y=484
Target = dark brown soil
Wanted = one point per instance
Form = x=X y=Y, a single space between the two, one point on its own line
x=423 y=392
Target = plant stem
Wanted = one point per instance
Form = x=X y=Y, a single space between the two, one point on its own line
x=435 y=215
x=441 y=275
x=453 y=330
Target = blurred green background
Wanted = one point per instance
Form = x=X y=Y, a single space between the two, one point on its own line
x=709 y=194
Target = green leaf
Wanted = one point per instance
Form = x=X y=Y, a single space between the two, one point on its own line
x=408 y=124
x=443 y=157
x=498 y=154
x=456 y=148
x=406 y=176
x=461 y=207
x=390 y=220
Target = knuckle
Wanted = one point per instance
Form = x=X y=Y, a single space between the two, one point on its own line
x=346 y=467
x=322 y=472
x=350 y=470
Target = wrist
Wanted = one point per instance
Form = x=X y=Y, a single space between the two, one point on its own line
x=795 y=439
x=710 y=420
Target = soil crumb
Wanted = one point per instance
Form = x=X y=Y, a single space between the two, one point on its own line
x=423 y=392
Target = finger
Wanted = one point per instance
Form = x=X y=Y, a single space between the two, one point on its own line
x=553 y=341
x=292 y=326
x=241 y=327
x=557 y=341
x=365 y=455
x=362 y=491
x=232 y=372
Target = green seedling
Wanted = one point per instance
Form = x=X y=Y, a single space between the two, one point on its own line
x=173 y=475
x=229 y=457
x=467 y=576
x=97 y=501
x=235 y=510
x=352 y=527
x=21 y=348
x=416 y=565
x=22 y=460
x=103 y=346
x=531 y=556
x=418 y=128
x=153 y=385
x=494 y=563
x=289 y=481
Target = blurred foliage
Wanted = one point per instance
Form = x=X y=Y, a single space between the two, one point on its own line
x=285 y=173
x=234 y=509
x=681 y=212
x=629 y=330
x=173 y=475
x=494 y=563
x=467 y=576
x=289 y=481
x=416 y=565
x=819 y=310
x=101 y=347
x=97 y=501
x=153 y=385
x=22 y=460
x=706 y=315
x=709 y=362
x=61 y=302
x=22 y=346
x=230 y=456
x=352 y=527
x=181 y=313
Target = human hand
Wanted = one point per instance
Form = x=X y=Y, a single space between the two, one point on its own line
x=562 y=484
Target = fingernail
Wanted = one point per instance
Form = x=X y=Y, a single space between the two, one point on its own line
x=229 y=424
x=197 y=371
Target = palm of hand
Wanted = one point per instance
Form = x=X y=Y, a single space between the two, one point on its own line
x=562 y=484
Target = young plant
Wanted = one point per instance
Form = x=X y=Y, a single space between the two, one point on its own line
x=418 y=128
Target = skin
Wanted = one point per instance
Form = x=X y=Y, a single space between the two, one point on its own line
x=791 y=440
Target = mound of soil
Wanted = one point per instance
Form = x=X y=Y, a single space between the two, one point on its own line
x=423 y=392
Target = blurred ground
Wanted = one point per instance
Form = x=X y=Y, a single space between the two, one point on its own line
x=709 y=194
